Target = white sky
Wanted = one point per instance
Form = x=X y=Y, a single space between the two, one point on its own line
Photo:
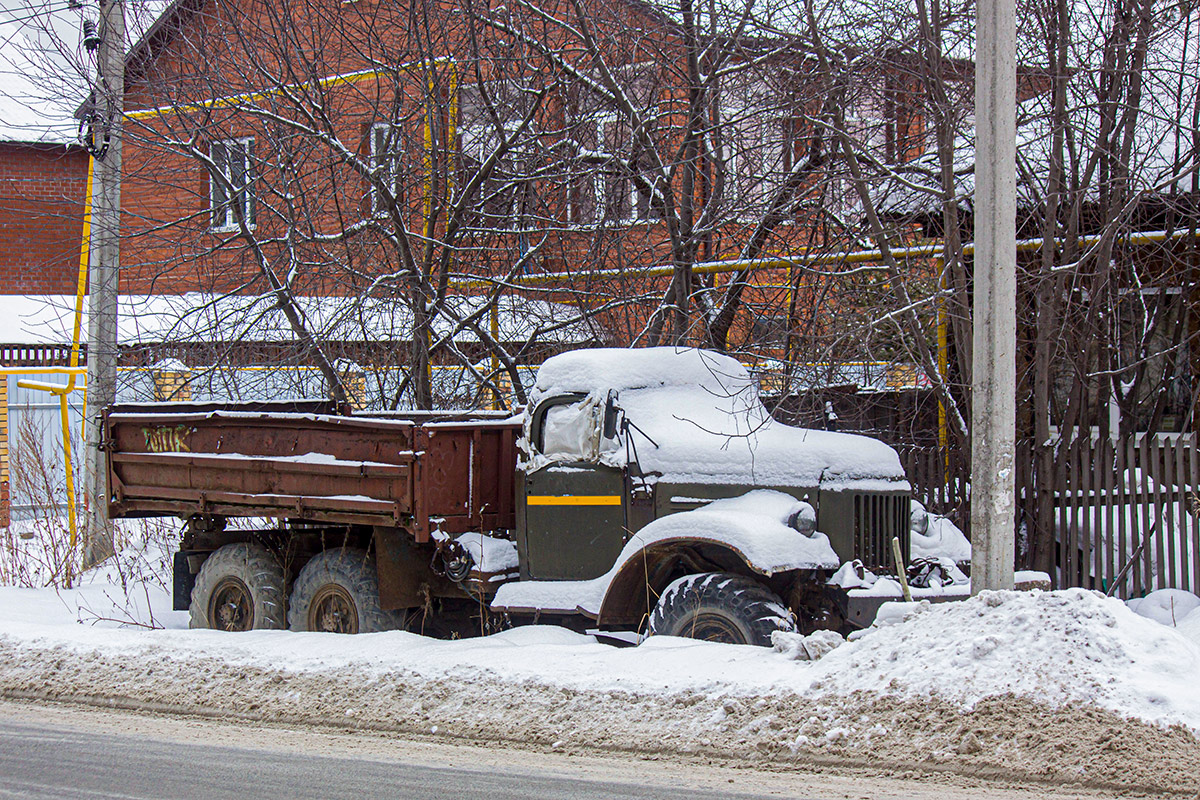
x=43 y=67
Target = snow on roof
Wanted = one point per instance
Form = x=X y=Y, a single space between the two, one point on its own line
x=145 y=319
x=700 y=420
x=37 y=99
x=864 y=376
x=1163 y=152
x=601 y=369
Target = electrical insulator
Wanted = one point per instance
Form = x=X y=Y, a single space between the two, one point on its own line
x=91 y=37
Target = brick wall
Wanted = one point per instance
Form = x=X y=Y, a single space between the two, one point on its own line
x=41 y=217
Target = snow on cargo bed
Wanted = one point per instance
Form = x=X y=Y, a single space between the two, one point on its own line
x=699 y=419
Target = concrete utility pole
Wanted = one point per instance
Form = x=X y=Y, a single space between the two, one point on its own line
x=994 y=370
x=103 y=270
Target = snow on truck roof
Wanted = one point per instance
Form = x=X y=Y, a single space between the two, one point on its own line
x=703 y=413
x=600 y=369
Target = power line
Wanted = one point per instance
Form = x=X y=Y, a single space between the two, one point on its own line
x=50 y=9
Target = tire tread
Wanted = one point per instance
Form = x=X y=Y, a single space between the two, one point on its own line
x=354 y=570
x=752 y=606
x=258 y=569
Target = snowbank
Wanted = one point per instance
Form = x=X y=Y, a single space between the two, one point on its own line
x=1032 y=685
x=1065 y=647
x=1165 y=606
x=1173 y=608
x=1024 y=684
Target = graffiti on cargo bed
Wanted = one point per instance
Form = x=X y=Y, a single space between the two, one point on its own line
x=167 y=440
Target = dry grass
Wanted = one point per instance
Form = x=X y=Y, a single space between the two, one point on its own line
x=38 y=552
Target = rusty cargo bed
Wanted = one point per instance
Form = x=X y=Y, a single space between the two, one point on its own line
x=304 y=461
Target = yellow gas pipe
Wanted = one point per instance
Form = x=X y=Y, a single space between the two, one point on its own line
x=62 y=390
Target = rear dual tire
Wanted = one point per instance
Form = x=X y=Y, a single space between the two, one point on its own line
x=338 y=592
x=240 y=587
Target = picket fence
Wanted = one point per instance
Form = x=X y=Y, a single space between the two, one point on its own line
x=1120 y=516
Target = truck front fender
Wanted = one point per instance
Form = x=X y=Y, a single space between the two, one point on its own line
x=641 y=578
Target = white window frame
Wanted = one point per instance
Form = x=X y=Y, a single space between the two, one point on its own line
x=389 y=162
x=223 y=214
x=599 y=181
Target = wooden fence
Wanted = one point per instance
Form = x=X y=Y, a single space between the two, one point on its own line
x=1091 y=513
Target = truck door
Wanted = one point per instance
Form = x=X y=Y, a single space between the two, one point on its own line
x=573 y=524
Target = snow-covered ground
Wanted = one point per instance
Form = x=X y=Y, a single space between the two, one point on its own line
x=1064 y=685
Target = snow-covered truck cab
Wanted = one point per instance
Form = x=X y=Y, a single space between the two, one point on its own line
x=617 y=443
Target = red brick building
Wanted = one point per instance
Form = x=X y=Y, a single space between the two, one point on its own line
x=42 y=189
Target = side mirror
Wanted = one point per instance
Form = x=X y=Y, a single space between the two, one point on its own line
x=609 y=430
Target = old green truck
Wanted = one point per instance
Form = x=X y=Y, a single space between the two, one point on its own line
x=642 y=490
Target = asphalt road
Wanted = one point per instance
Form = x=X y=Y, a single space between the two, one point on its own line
x=71 y=751
x=39 y=760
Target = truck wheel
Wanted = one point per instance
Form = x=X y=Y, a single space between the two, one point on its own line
x=338 y=592
x=240 y=587
x=720 y=607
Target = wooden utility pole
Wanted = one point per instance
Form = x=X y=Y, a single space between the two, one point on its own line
x=994 y=369
x=104 y=269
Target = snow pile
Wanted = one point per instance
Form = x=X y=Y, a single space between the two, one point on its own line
x=1060 y=648
x=37 y=552
x=1174 y=608
x=937 y=537
x=799 y=647
x=1166 y=606
x=131 y=588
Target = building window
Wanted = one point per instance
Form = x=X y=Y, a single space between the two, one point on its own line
x=385 y=162
x=507 y=199
x=490 y=115
x=601 y=188
x=757 y=162
x=232 y=184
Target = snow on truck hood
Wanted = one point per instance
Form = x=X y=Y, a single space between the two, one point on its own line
x=703 y=411
x=754 y=524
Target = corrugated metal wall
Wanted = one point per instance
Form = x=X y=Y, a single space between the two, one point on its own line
x=35 y=448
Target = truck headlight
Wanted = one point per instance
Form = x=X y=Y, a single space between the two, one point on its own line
x=918 y=518
x=804 y=519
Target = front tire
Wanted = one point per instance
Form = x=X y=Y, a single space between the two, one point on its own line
x=720 y=607
x=240 y=587
x=338 y=592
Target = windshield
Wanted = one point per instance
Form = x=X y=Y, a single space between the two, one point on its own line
x=571 y=431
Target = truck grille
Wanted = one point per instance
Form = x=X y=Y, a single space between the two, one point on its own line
x=878 y=518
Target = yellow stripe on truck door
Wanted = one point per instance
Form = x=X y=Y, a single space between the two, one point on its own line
x=574 y=500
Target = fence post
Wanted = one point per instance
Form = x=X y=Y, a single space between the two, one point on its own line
x=171 y=380
x=5 y=497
